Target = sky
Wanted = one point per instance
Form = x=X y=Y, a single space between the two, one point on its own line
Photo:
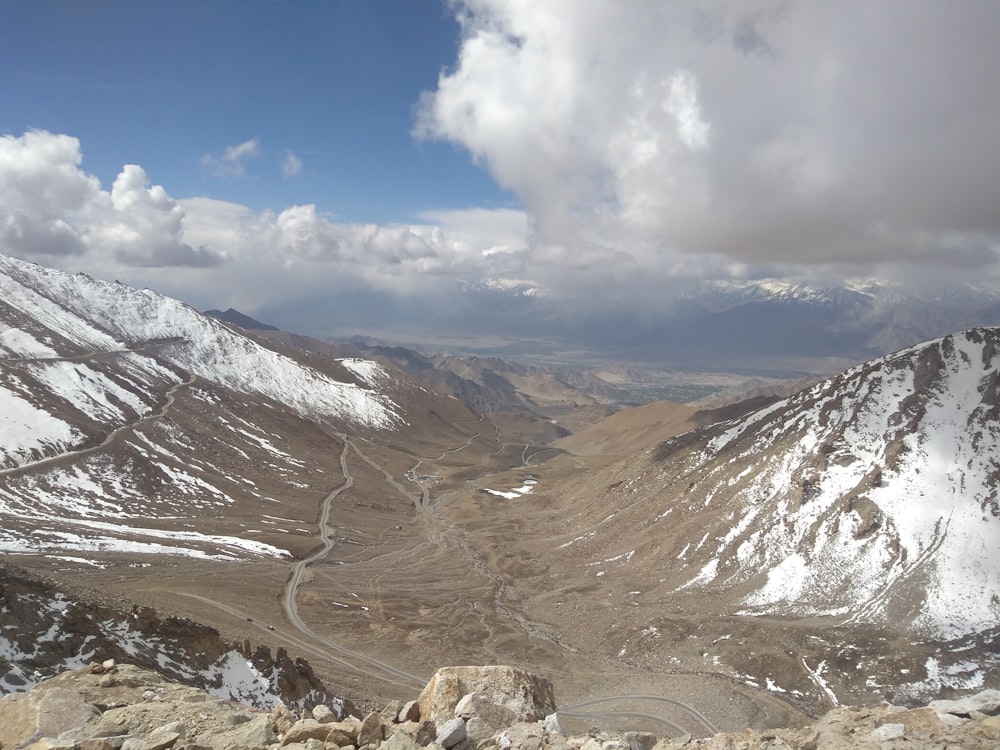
x=295 y=159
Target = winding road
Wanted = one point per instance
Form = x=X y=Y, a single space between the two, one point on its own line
x=291 y=587
x=111 y=436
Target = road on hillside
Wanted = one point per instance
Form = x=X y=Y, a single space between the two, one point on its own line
x=574 y=710
x=111 y=436
x=291 y=588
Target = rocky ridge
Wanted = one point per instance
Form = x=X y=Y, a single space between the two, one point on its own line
x=123 y=707
x=45 y=631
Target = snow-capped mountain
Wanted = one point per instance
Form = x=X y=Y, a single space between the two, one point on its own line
x=878 y=500
x=871 y=497
x=504 y=287
x=130 y=423
x=83 y=316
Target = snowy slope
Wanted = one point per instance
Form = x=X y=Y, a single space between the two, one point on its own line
x=873 y=495
x=44 y=632
x=130 y=423
x=870 y=498
x=98 y=315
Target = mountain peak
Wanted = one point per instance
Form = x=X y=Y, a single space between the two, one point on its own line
x=235 y=317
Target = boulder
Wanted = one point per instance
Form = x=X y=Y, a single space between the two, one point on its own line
x=451 y=733
x=257 y=732
x=339 y=738
x=523 y=736
x=409 y=712
x=483 y=719
x=391 y=711
x=323 y=714
x=42 y=713
x=426 y=733
x=527 y=696
x=305 y=729
x=640 y=740
x=985 y=702
x=989 y=728
x=372 y=730
x=399 y=740
x=923 y=720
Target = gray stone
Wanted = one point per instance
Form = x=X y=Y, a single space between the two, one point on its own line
x=46 y=712
x=323 y=714
x=399 y=740
x=314 y=744
x=173 y=726
x=528 y=696
x=552 y=724
x=340 y=738
x=371 y=731
x=639 y=740
x=96 y=743
x=524 y=736
x=426 y=733
x=391 y=711
x=889 y=732
x=158 y=740
x=483 y=718
x=254 y=733
x=986 y=702
x=306 y=729
x=989 y=728
x=451 y=733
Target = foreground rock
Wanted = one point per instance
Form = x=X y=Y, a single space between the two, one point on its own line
x=109 y=707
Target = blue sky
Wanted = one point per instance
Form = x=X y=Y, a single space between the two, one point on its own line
x=292 y=158
x=333 y=82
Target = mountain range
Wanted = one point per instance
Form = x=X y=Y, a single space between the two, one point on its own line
x=763 y=326
x=343 y=501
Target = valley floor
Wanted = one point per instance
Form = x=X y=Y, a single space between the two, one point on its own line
x=424 y=574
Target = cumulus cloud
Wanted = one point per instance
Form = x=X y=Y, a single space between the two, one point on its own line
x=50 y=207
x=212 y=252
x=760 y=133
x=143 y=225
x=231 y=163
x=40 y=183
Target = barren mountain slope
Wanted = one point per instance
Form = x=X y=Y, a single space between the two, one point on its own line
x=843 y=537
x=631 y=431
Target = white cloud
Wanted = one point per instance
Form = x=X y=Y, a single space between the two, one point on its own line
x=143 y=226
x=291 y=165
x=40 y=183
x=49 y=208
x=773 y=131
x=212 y=252
x=232 y=161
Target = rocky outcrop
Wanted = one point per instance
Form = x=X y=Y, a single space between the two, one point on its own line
x=514 y=693
x=109 y=707
x=45 y=631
